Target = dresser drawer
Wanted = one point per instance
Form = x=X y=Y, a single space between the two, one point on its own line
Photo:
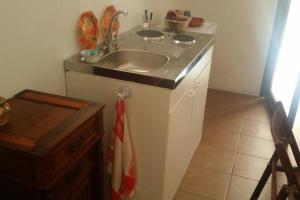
x=83 y=188
x=76 y=143
x=83 y=169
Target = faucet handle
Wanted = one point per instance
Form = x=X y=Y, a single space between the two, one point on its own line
x=150 y=20
x=146 y=16
x=124 y=12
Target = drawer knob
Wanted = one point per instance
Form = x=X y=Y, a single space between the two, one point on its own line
x=77 y=144
x=51 y=196
x=73 y=174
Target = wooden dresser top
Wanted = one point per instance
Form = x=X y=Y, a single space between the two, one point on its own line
x=39 y=121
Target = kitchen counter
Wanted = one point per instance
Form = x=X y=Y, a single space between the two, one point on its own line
x=161 y=112
x=182 y=59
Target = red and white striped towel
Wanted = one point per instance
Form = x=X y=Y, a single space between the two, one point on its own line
x=121 y=158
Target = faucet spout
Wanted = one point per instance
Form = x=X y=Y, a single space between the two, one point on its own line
x=111 y=47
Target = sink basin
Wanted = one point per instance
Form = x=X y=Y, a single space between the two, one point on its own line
x=135 y=61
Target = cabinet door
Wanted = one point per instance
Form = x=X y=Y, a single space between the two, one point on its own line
x=199 y=101
x=177 y=149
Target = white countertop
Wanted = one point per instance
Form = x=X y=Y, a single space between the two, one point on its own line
x=207 y=27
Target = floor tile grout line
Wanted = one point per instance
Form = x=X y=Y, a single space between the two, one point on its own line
x=199 y=195
x=249 y=178
x=211 y=169
x=258 y=121
x=230 y=131
x=238 y=143
x=252 y=179
x=254 y=155
x=241 y=134
x=179 y=187
x=257 y=137
x=191 y=163
x=221 y=148
x=241 y=131
x=237 y=151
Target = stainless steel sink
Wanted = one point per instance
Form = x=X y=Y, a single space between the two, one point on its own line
x=133 y=60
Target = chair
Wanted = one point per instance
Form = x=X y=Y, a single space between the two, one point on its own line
x=280 y=161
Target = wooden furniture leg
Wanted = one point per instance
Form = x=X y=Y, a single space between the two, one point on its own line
x=263 y=180
x=274 y=180
x=283 y=194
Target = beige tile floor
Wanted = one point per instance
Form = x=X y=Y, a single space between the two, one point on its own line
x=235 y=148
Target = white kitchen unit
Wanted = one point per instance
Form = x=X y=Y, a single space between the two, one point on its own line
x=166 y=124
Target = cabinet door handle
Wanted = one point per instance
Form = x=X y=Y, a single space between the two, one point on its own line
x=192 y=93
x=198 y=84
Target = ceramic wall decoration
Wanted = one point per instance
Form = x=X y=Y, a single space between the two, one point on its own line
x=4 y=111
x=108 y=13
x=88 y=30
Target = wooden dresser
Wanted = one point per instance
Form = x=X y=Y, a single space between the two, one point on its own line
x=51 y=149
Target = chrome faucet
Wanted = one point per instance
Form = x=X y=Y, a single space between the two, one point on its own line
x=111 y=39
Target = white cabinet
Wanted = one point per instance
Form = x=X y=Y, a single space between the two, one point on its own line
x=185 y=124
x=178 y=139
x=165 y=124
x=199 y=100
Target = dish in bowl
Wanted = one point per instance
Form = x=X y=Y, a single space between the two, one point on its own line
x=91 y=55
x=196 y=22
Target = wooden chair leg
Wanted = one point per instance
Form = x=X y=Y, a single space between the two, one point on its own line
x=283 y=194
x=274 y=181
x=262 y=182
x=297 y=196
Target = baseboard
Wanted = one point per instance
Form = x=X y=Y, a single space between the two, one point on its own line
x=234 y=91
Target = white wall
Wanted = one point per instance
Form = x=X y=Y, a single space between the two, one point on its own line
x=36 y=36
x=244 y=31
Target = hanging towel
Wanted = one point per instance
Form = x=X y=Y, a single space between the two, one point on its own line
x=121 y=158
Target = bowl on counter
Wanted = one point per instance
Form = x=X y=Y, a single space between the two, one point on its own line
x=91 y=55
x=179 y=24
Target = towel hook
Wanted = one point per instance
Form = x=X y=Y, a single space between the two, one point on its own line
x=125 y=91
